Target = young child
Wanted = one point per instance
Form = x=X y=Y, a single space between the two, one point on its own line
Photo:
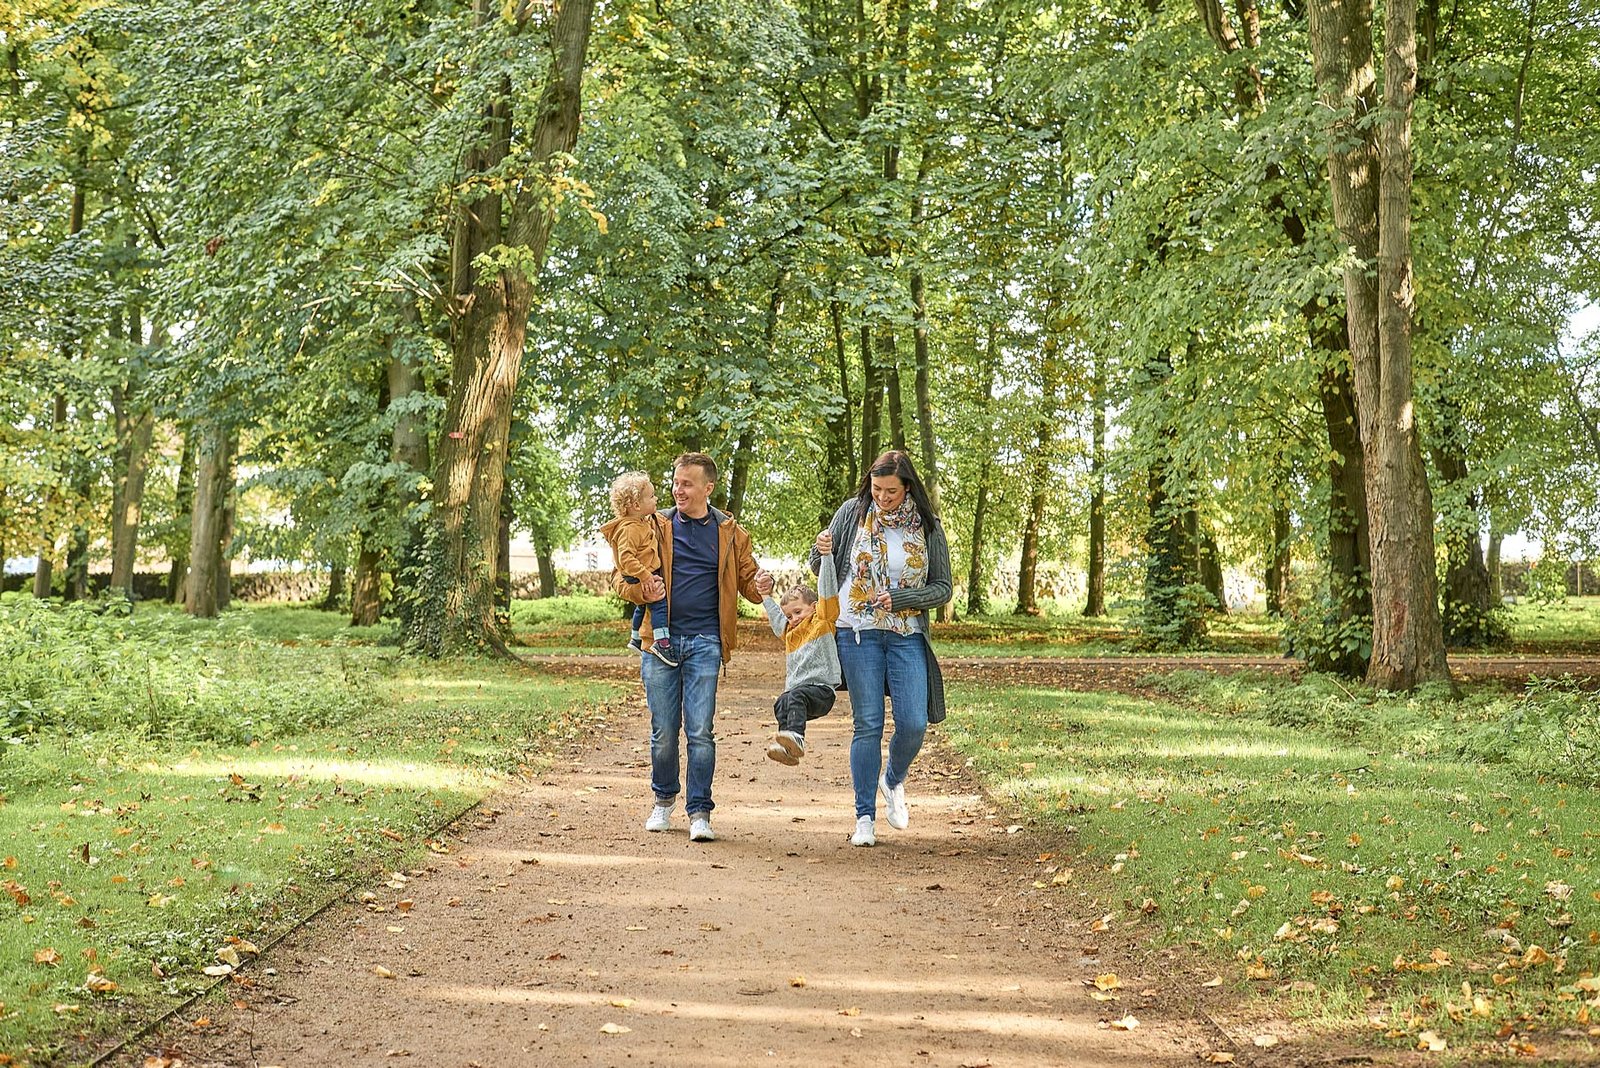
x=635 y=537
x=804 y=619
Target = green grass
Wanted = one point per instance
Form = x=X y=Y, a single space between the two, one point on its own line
x=1562 y=625
x=172 y=786
x=1378 y=854
x=1072 y=635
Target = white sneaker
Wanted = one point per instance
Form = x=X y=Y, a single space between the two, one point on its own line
x=898 y=815
x=864 y=835
x=700 y=829
x=660 y=817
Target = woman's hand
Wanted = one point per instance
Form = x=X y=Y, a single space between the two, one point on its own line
x=825 y=542
x=883 y=599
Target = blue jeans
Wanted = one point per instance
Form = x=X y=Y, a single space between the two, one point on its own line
x=683 y=699
x=901 y=661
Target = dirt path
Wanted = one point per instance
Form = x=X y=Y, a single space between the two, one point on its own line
x=554 y=915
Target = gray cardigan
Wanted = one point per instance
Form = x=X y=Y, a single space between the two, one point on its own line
x=935 y=592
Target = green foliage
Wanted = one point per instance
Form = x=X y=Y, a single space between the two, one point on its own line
x=1547 y=580
x=79 y=671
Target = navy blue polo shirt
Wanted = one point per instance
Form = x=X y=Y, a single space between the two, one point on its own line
x=694 y=576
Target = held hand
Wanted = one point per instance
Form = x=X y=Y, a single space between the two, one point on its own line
x=883 y=599
x=653 y=588
x=825 y=542
x=763 y=582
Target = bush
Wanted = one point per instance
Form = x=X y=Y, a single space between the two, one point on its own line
x=74 y=669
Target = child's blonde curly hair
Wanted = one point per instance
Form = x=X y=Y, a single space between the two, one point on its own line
x=798 y=593
x=629 y=489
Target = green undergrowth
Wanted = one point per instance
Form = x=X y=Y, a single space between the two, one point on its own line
x=1559 y=626
x=169 y=787
x=1405 y=864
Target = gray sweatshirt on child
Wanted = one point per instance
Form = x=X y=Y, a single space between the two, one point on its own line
x=812 y=651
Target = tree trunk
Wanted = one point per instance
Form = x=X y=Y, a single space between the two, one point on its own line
x=1497 y=589
x=547 y=570
x=1369 y=186
x=1468 y=613
x=1028 y=571
x=43 y=573
x=1349 y=541
x=135 y=428
x=208 y=525
x=919 y=334
x=977 y=580
x=333 y=600
x=178 y=578
x=502 y=566
x=871 y=401
x=1210 y=570
x=489 y=319
x=408 y=444
x=889 y=360
x=1095 y=600
x=366 y=592
x=739 y=472
x=839 y=474
x=1279 y=557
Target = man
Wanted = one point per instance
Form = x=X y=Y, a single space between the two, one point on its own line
x=705 y=566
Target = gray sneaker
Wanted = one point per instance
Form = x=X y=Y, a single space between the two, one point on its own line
x=700 y=829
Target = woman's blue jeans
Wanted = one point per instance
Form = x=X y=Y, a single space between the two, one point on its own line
x=872 y=659
x=683 y=700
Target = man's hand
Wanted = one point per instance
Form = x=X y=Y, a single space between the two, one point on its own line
x=763 y=582
x=653 y=588
x=825 y=542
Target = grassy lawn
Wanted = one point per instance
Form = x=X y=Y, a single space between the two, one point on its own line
x=176 y=792
x=1410 y=864
x=1558 y=626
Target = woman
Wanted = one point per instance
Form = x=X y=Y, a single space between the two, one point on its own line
x=893 y=563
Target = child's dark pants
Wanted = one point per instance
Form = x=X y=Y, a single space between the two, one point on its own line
x=794 y=707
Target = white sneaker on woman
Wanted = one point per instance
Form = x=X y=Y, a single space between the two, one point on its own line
x=864 y=835
x=898 y=815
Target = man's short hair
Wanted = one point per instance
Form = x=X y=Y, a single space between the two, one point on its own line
x=700 y=460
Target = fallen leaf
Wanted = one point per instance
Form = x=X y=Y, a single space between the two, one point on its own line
x=854 y=1010
x=855 y=1032
x=1431 y=1042
x=381 y=972
x=1127 y=1023
x=1219 y=1058
x=1108 y=981
x=621 y=1003
x=1217 y=981
x=1266 y=1041
x=609 y=1028
x=216 y=971
x=228 y=955
x=798 y=980
x=98 y=984
x=47 y=955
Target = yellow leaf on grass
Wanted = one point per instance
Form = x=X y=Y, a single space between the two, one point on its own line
x=275 y=828
x=47 y=955
x=1431 y=1042
x=160 y=901
x=98 y=984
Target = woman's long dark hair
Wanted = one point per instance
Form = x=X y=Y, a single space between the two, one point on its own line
x=894 y=462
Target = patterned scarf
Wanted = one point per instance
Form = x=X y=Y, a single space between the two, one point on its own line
x=869 y=564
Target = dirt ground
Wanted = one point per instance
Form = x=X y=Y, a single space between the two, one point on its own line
x=556 y=931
